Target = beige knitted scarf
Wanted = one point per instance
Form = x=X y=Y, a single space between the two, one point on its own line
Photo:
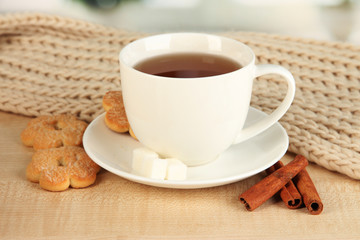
x=51 y=65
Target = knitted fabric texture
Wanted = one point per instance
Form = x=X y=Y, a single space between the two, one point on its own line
x=52 y=65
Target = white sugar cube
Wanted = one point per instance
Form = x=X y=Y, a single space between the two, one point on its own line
x=148 y=164
x=154 y=168
x=139 y=154
x=176 y=170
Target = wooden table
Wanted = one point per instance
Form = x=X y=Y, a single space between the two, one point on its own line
x=115 y=208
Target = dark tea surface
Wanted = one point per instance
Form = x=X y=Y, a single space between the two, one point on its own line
x=187 y=65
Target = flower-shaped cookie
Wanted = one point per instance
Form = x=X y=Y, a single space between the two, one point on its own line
x=56 y=169
x=53 y=131
x=115 y=117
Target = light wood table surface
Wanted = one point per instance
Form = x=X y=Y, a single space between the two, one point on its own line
x=115 y=208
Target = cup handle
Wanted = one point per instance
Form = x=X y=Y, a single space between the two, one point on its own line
x=269 y=120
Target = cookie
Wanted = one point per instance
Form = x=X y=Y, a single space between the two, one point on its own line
x=112 y=99
x=56 y=169
x=115 y=117
x=53 y=131
x=132 y=133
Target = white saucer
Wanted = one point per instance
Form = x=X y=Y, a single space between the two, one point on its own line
x=113 y=152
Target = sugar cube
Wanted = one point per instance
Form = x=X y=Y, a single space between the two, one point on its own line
x=148 y=164
x=176 y=170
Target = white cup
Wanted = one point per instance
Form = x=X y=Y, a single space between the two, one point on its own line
x=194 y=119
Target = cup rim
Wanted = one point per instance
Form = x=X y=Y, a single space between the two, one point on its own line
x=126 y=47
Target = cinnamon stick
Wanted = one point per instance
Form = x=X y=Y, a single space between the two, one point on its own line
x=289 y=193
x=308 y=191
x=266 y=188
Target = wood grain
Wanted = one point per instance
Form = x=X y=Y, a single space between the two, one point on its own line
x=115 y=208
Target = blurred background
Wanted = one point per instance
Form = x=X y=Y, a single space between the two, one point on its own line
x=337 y=20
